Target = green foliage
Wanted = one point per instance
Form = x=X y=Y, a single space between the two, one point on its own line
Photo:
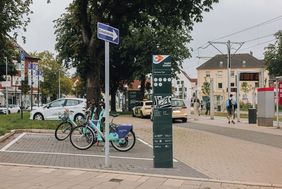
x=245 y=87
x=146 y=28
x=206 y=88
x=13 y=17
x=51 y=68
x=245 y=106
x=14 y=121
x=273 y=56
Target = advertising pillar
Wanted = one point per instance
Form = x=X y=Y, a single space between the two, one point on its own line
x=162 y=115
x=265 y=106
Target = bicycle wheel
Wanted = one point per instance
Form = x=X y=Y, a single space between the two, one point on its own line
x=82 y=137
x=126 y=143
x=63 y=131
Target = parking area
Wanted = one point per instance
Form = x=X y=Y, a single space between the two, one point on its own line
x=44 y=149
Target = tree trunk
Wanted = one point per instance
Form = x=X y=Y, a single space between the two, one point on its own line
x=142 y=89
x=113 y=92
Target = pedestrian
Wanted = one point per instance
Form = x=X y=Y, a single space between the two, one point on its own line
x=196 y=109
x=231 y=106
x=208 y=106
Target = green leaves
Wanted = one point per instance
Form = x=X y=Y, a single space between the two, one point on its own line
x=273 y=56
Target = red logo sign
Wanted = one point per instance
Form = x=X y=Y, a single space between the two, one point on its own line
x=280 y=92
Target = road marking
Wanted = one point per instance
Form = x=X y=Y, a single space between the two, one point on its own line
x=145 y=143
x=142 y=141
x=12 y=142
x=83 y=155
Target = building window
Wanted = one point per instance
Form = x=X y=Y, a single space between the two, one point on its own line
x=208 y=74
x=180 y=89
x=185 y=88
x=232 y=84
x=219 y=85
x=182 y=82
x=232 y=73
x=256 y=84
x=219 y=74
x=178 y=82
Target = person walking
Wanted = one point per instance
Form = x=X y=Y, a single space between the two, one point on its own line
x=231 y=106
x=208 y=106
x=196 y=109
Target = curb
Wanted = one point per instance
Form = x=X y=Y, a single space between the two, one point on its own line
x=152 y=175
x=12 y=132
x=7 y=135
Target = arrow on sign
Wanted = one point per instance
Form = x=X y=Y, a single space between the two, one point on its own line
x=107 y=33
x=112 y=34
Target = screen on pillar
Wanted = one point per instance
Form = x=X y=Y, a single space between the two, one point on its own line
x=249 y=76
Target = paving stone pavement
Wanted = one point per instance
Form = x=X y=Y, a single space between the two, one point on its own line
x=228 y=161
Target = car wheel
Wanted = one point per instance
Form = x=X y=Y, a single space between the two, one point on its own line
x=9 y=112
x=133 y=115
x=38 y=116
x=18 y=111
x=79 y=118
x=184 y=120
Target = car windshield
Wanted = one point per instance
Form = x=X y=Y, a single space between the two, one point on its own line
x=177 y=103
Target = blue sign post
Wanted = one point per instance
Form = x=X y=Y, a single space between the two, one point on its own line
x=109 y=35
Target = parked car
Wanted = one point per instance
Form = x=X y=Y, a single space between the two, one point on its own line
x=179 y=110
x=11 y=109
x=143 y=108
x=134 y=108
x=52 y=110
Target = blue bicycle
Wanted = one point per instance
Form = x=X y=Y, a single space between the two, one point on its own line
x=121 y=137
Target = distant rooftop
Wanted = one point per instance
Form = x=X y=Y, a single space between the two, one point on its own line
x=237 y=61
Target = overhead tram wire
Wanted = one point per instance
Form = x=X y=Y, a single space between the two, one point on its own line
x=262 y=43
x=251 y=27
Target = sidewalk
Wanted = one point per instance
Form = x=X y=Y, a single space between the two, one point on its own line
x=36 y=177
x=243 y=124
x=229 y=162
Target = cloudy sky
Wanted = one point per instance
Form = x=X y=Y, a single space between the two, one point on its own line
x=227 y=17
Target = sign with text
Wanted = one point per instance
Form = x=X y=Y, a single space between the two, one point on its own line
x=162 y=113
x=107 y=33
x=280 y=93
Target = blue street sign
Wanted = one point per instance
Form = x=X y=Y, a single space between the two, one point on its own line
x=107 y=33
x=22 y=56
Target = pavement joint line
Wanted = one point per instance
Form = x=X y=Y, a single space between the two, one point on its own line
x=12 y=142
x=83 y=155
x=151 y=175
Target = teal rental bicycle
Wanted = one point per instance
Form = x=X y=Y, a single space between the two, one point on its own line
x=121 y=137
x=64 y=129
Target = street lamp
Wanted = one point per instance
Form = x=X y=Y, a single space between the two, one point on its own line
x=7 y=106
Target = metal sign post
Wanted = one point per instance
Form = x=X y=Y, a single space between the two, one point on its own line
x=108 y=34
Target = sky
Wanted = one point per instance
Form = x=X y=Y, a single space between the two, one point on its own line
x=227 y=17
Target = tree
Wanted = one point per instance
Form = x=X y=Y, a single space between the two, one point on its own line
x=51 y=68
x=76 y=29
x=13 y=15
x=245 y=87
x=206 y=88
x=273 y=56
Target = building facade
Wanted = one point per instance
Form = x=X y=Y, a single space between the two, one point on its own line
x=13 y=83
x=243 y=64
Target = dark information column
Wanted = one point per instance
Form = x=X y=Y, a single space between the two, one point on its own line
x=162 y=125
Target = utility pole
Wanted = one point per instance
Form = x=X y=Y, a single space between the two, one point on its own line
x=7 y=112
x=38 y=83
x=228 y=66
x=31 y=85
x=59 y=83
x=211 y=100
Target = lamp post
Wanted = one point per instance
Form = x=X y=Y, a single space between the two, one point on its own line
x=7 y=112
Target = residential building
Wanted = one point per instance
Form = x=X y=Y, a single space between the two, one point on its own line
x=13 y=84
x=216 y=68
x=183 y=86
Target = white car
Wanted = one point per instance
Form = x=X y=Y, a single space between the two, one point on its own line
x=54 y=109
x=11 y=109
